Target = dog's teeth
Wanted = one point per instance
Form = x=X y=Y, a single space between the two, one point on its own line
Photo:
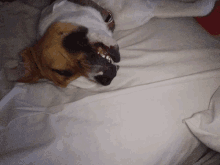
x=106 y=57
x=110 y=60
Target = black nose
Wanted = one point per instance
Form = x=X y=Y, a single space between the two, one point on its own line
x=107 y=76
x=104 y=80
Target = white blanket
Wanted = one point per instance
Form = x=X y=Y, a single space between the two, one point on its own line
x=129 y=14
x=169 y=70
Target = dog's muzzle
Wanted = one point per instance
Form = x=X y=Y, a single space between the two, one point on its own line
x=104 y=66
x=107 y=76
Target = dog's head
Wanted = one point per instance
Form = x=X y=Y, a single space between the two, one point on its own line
x=65 y=53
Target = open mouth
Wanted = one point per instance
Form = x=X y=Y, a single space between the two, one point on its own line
x=103 y=64
x=107 y=57
x=104 y=55
x=111 y=54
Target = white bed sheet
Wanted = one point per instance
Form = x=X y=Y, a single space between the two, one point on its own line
x=169 y=71
x=140 y=125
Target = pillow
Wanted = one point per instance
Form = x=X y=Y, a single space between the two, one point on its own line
x=129 y=14
x=205 y=125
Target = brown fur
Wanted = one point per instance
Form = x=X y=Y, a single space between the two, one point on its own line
x=48 y=55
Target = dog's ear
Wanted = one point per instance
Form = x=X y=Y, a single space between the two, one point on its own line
x=32 y=73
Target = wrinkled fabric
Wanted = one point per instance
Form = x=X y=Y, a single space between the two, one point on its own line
x=169 y=70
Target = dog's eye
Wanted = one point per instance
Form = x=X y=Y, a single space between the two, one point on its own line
x=66 y=73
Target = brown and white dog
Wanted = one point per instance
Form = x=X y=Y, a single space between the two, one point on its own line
x=74 y=40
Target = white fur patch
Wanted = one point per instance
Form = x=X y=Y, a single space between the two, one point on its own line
x=96 y=37
x=65 y=11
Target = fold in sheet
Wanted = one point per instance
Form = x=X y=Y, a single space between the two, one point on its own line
x=205 y=125
x=136 y=125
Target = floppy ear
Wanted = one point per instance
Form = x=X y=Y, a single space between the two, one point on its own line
x=32 y=73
